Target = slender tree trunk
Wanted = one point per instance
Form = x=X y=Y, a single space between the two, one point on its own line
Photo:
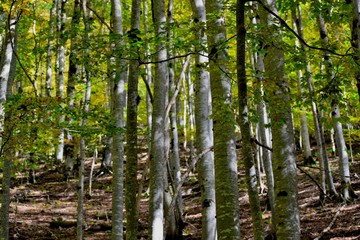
x=118 y=106
x=204 y=133
x=131 y=126
x=265 y=133
x=247 y=153
x=87 y=94
x=227 y=203
x=60 y=59
x=176 y=226
x=6 y=154
x=50 y=50
x=348 y=193
x=284 y=165
x=324 y=41
x=73 y=77
x=157 y=164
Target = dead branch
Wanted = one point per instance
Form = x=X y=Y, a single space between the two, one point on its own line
x=340 y=208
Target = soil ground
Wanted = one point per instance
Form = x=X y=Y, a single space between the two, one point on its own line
x=47 y=209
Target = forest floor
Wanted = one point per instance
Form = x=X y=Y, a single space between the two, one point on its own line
x=47 y=209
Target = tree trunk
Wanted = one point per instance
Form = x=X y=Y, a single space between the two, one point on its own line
x=117 y=112
x=50 y=49
x=344 y=170
x=73 y=77
x=131 y=126
x=247 y=153
x=265 y=133
x=284 y=165
x=5 y=75
x=157 y=163
x=204 y=133
x=60 y=60
x=328 y=64
x=87 y=95
x=227 y=203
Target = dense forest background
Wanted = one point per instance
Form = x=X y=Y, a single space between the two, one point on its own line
x=180 y=119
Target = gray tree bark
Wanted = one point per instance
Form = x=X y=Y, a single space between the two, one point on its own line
x=60 y=62
x=284 y=165
x=49 y=55
x=328 y=66
x=204 y=133
x=117 y=111
x=344 y=169
x=227 y=203
x=157 y=163
x=87 y=95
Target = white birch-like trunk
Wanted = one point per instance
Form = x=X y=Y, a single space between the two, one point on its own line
x=49 y=55
x=344 y=169
x=118 y=97
x=284 y=165
x=157 y=164
x=204 y=133
x=60 y=60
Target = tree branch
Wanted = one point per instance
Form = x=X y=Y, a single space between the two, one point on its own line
x=282 y=21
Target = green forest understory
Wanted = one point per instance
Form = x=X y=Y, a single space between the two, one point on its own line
x=180 y=119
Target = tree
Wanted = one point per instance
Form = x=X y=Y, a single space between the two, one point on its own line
x=84 y=122
x=248 y=158
x=227 y=203
x=50 y=49
x=5 y=75
x=204 y=133
x=158 y=152
x=131 y=125
x=117 y=112
x=60 y=66
x=284 y=165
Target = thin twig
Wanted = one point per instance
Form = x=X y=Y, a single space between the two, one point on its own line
x=340 y=208
x=183 y=179
x=282 y=21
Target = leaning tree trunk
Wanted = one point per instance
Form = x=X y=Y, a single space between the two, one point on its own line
x=157 y=164
x=328 y=67
x=117 y=112
x=344 y=170
x=247 y=153
x=131 y=126
x=204 y=133
x=284 y=165
x=227 y=201
x=6 y=154
x=304 y=130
